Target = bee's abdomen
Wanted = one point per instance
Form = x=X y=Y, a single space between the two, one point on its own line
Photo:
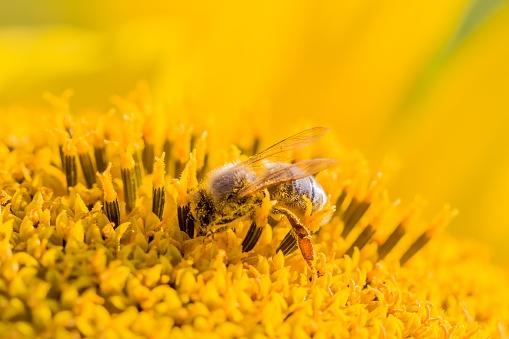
x=291 y=194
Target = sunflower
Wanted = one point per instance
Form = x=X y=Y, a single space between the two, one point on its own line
x=88 y=250
x=92 y=185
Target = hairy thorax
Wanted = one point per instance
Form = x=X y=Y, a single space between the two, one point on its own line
x=218 y=197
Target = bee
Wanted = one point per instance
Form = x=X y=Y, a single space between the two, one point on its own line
x=239 y=189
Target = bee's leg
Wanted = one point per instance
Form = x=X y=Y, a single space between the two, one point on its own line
x=288 y=244
x=303 y=238
x=253 y=233
x=219 y=225
x=213 y=229
x=251 y=238
x=225 y=220
x=240 y=212
x=186 y=220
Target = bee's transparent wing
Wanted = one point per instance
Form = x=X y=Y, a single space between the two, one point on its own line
x=291 y=172
x=280 y=151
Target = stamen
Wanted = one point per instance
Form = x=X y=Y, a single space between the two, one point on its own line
x=148 y=156
x=252 y=236
x=132 y=138
x=128 y=174
x=70 y=165
x=110 y=207
x=288 y=244
x=341 y=200
x=85 y=161
x=99 y=142
x=61 y=136
x=138 y=166
x=356 y=209
x=100 y=158
x=149 y=130
x=158 y=190
x=440 y=221
x=185 y=218
x=69 y=125
x=391 y=241
x=182 y=148
x=415 y=247
x=201 y=155
x=362 y=239
x=168 y=149
x=353 y=214
x=414 y=210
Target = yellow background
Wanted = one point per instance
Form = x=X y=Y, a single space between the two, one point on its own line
x=423 y=83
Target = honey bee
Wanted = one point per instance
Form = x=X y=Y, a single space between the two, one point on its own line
x=238 y=189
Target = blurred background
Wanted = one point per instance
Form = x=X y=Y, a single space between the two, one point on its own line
x=422 y=85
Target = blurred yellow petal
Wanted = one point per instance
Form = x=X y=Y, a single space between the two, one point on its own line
x=456 y=135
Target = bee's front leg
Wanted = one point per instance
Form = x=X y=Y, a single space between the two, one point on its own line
x=303 y=238
x=252 y=235
x=220 y=226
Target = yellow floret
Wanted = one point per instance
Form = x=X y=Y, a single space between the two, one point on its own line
x=67 y=270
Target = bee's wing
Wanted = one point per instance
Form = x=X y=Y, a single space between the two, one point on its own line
x=291 y=172
x=277 y=151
